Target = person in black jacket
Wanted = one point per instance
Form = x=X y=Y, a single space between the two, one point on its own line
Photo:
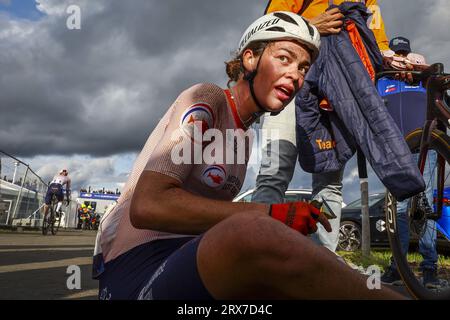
x=277 y=170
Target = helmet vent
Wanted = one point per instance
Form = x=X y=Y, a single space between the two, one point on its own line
x=285 y=17
x=279 y=29
x=310 y=29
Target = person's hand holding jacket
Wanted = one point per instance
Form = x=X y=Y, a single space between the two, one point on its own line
x=329 y=22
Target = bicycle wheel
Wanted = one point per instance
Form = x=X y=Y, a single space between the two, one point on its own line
x=408 y=221
x=51 y=217
x=45 y=225
x=56 y=222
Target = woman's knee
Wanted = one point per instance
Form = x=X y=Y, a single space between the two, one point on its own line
x=248 y=236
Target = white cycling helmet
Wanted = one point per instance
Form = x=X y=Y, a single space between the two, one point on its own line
x=282 y=25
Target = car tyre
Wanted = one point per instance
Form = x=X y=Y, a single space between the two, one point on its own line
x=349 y=236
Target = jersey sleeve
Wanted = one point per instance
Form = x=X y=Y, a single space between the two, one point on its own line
x=284 y=5
x=377 y=25
x=180 y=143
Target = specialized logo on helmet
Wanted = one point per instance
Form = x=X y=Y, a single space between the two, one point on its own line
x=214 y=176
x=198 y=117
x=263 y=25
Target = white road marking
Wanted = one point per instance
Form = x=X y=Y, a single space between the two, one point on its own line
x=46 y=265
x=83 y=294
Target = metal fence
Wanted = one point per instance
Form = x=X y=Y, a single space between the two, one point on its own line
x=22 y=192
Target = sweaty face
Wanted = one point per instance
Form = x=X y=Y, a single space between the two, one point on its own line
x=281 y=73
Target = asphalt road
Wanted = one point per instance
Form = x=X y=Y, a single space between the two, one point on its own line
x=33 y=266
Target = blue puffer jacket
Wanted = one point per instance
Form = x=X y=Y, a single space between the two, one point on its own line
x=327 y=140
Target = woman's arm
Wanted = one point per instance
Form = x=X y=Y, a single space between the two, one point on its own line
x=159 y=203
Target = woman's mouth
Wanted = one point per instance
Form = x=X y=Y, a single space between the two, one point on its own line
x=283 y=93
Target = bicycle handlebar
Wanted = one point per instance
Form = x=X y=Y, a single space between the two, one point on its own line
x=436 y=69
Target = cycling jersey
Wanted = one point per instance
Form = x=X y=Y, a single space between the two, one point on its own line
x=316 y=7
x=62 y=180
x=55 y=187
x=208 y=107
x=406 y=103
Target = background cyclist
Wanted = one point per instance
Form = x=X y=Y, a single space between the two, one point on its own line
x=56 y=188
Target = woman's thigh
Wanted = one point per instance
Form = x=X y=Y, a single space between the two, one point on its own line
x=124 y=276
x=177 y=278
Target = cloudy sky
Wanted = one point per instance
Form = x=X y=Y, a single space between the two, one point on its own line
x=87 y=99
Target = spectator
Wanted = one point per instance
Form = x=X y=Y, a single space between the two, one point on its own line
x=270 y=187
x=427 y=243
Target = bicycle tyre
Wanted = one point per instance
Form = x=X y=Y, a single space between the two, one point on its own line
x=440 y=143
x=52 y=218
x=45 y=225
x=56 y=223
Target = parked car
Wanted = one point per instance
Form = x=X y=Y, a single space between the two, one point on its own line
x=350 y=230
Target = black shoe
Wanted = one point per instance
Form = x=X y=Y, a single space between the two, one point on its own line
x=430 y=280
x=392 y=277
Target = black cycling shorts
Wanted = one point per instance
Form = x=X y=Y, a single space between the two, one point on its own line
x=54 y=189
x=158 y=270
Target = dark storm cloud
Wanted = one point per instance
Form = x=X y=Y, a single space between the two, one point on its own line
x=102 y=89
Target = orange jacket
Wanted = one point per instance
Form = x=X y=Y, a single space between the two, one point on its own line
x=318 y=6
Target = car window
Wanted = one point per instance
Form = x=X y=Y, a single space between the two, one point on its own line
x=372 y=200
x=290 y=198
x=303 y=197
x=247 y=198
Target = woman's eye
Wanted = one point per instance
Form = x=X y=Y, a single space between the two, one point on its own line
x=303 y=70
x=283 y=59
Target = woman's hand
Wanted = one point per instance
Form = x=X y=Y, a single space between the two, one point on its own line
x=300 y=216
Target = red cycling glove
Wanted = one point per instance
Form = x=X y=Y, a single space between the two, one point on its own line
x=300 y=216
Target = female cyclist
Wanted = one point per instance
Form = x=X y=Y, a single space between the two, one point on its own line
x=176 y=234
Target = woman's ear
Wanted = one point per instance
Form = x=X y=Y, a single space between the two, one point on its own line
x=248 y=60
